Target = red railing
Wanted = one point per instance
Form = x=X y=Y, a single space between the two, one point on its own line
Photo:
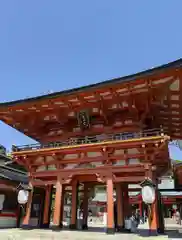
x=90 y=140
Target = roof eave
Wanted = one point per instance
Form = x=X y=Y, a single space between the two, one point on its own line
x=128 y=78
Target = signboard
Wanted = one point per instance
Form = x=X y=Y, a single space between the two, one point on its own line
x=23 y=196
x=148 y=194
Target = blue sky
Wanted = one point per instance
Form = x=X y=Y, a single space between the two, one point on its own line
x=56 y=45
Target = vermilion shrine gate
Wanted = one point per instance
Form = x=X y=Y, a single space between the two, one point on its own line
x=115 y=133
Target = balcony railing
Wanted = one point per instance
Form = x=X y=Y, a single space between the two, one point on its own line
x=90 y=140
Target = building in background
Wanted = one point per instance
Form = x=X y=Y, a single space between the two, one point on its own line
x=10 y=179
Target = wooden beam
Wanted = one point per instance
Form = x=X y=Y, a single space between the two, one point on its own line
x=129 y=179
x=114 y=169
x=38 y=182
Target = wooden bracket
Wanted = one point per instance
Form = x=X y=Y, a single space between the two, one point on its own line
x=103 y=176
x=65 y=178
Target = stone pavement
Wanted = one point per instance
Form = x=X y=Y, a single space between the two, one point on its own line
x=173 y=232
x=17 y=234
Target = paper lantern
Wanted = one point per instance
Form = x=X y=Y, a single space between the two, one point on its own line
x=23 y=196
x=148 y=194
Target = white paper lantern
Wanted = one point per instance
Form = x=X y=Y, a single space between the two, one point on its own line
x=23 y=196
x=148 y=194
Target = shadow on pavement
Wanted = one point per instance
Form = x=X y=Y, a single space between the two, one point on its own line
x=168 y=233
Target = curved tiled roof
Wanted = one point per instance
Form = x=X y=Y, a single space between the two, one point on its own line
x=12 y=174
x=10 y=171
x=128 y=78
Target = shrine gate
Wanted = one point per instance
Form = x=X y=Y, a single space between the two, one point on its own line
x=114 y=133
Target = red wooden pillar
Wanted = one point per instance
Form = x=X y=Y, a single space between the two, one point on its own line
x=157 y=223
x=58 y=206
x=119 y=202
x=47 y=203
x=73 y=224
x=26 y=219
x=110 y=207
x=127 y=210
x=153 y=223
x=85 y=207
